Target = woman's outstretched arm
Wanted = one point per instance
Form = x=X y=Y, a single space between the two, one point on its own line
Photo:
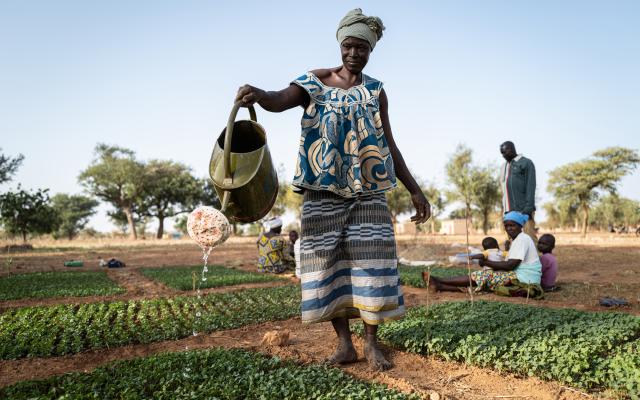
x=278 y=101
x=423 y=208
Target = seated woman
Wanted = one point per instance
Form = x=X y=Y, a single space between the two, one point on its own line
x=522 y=262
x=272 y=256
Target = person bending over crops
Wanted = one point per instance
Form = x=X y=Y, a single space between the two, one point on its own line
x=522 y=264
x=347 y=160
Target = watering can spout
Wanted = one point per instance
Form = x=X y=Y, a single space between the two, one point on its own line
x=241 y=169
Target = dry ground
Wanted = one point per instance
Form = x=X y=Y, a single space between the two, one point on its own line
x=589 y=269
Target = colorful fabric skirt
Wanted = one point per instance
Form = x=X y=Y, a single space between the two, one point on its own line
x=488 y=279
x=348 y=259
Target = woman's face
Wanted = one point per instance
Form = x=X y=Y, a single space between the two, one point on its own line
x=513 y=229
x=355 y=54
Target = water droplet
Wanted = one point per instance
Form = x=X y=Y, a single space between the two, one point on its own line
x=198 y=314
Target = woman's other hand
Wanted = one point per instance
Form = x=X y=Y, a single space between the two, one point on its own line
x=249 y=95
x=423 y=208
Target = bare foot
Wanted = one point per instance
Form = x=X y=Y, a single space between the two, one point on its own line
x=344 y=354
x=376 y=359
x=431 y=282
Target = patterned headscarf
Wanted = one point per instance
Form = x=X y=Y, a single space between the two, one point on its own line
x=517 y=217
x=357 y=25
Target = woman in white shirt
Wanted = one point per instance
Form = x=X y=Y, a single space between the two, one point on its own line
x=522 y=262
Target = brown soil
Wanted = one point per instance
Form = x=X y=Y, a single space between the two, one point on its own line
x=588 y=270
x=308 y=344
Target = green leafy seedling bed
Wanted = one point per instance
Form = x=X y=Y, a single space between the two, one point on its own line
x=55 y=284
x=68 y=329
x=181 y=278
x=205 y=374
x=587 y=350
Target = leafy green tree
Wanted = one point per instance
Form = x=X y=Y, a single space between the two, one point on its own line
x=459 y=170
x=9 y=166
x=485 y=195
x=116 y=177
x=477 y=188
x=438 y=203
x=24 y=213
x=180 y=224
x=73 y=213
x=614 y=211
x=583 y=181
x=169 y=189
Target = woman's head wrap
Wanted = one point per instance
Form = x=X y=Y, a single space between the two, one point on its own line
x=272 y=223
x=517 y=217
x=357 y=25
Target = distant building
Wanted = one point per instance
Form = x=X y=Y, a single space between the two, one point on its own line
x=453 y=227
x=406 y=228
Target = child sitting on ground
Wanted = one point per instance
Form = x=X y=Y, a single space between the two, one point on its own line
x=546 y=244
x=491 y=252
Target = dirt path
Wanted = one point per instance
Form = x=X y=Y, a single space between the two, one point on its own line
x=308 y=344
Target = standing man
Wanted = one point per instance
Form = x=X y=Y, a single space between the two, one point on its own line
x=518 y=181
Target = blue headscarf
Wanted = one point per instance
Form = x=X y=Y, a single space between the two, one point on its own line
x=517 y=217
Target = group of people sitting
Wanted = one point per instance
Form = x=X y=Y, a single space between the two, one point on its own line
x=517 y=271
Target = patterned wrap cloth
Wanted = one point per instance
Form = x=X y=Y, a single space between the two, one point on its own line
x=342 y=147
x=271 y=255
x=348 y=259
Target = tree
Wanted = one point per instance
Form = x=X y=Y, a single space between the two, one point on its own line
x=9 y=166
x=438 y=203
x=582 y=182
x=485 y=195
x=73 y=213
x=25 y=213
x=169 y=189
x=116 y=177
x=459 y=171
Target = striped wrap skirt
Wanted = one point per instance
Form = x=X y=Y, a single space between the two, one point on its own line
x=348 y=259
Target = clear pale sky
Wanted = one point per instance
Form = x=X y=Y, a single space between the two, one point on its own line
x=560 y=79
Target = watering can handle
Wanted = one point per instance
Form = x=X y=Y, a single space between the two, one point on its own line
x=228 y=178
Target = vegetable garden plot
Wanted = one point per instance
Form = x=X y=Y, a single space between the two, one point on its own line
x=68 y=329
x=584 y=349
x=54 y=284
x=205 y=374
x=182 y=278
x=412 y=275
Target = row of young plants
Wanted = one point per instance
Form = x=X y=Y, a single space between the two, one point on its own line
x=54 y=284
x=67 y=329
x=182 y=278
x=205 y=374
x=412 y=275
x=585 y=349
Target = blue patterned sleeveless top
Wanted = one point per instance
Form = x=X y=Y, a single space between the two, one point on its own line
x=342 y=147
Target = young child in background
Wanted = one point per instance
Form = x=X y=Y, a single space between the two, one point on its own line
x=546 y=244
x=491 y=252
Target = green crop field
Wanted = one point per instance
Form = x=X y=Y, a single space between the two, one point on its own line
x=54 y=284
x=585 y=349
x=205 y=374
x=182 y=278
x=412 y=275
x=68 y=329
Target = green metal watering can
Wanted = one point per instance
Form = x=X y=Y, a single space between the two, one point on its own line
x=242 y=171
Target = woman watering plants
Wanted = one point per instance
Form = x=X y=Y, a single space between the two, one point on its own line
x=347 y=160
